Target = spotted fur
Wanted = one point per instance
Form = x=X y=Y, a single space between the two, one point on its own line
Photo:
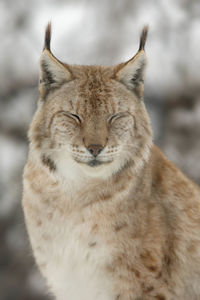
x=108 y=216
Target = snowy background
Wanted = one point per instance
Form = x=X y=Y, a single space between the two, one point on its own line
x=91 y=32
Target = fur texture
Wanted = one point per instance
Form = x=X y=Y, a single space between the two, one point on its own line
x=108 y=216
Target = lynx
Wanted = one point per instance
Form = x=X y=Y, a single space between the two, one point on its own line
x=108 y=216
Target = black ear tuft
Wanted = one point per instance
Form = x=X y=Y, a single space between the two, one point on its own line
x=143 y=38
x=131 y=73
x=47 y=40
x=53 y=73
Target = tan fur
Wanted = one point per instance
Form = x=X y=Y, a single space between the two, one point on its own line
x=127 y=229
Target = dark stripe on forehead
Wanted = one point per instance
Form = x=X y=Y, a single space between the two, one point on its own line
x=71 y=104
x=94 y=93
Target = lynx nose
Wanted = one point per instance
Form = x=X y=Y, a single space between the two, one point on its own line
x=95 y=149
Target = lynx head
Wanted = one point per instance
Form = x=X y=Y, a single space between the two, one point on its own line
x=91 y=119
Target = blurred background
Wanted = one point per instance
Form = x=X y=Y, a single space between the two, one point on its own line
x=91 y=32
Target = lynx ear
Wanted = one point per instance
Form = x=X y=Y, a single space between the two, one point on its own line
x=52 y=72
x=131 y=73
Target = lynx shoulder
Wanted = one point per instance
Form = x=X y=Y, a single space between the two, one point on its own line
x=108 y=216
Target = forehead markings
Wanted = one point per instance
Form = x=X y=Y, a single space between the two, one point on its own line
x=71 y=104
x=93 y=94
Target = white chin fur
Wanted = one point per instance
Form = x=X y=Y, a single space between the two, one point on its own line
x=102 y=171
x=69 y=169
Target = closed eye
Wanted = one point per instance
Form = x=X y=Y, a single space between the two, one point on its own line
x=62 y=113
x=73 y=116
x=116 y=116
x=76 y=117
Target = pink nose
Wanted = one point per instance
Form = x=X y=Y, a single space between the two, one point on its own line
x=95 y=149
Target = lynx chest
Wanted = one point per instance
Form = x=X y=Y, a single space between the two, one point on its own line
x=73 y=257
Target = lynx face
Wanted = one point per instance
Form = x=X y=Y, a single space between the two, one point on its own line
x=91 y=118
